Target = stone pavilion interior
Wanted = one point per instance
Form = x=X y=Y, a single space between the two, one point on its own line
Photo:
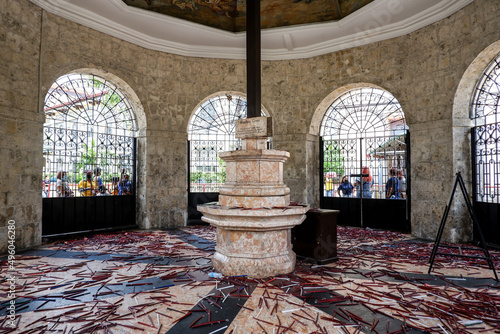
x=187 y=225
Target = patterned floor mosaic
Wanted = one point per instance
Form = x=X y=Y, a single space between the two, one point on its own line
x=158 y=282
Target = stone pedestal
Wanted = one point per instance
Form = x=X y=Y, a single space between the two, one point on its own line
x=253 y=242
x=254 y=179
x=254 y=216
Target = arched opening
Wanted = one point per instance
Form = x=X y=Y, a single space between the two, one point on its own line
x=364 y=165
x=464 y=111
x=211 y=130
x=89 y=149
x=485 y=112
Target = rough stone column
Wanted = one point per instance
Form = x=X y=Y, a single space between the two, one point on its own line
x=165 y=193
x=141 y=177
x=21 y=123
x=301 y=170
x=460 y=229
x=312 y=170
x=434 y=170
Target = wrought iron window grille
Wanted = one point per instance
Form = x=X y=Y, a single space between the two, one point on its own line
x=212 y=130
x=486 y=135
x=90 y=124
x=364 y=127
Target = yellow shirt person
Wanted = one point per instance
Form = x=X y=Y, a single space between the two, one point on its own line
x=87 y=187
x=329 y=184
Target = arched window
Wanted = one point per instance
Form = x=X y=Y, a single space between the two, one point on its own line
x=364 y=127
x=486 y=115
x=90 y=126
x=211 y=130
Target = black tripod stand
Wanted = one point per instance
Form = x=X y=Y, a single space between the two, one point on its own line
x=460 y=181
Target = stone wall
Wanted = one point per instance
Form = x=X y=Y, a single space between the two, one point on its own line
x=20 y=123
x=437 y=58
x=422 y=70
x=167 y=88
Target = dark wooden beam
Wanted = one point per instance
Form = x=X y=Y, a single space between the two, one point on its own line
x=253 y=49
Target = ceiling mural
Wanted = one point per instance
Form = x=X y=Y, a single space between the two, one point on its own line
x=230 y=14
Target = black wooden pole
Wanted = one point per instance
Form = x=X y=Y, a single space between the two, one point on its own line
x=253 y=58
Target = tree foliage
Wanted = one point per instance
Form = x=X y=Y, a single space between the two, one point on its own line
x=90 y=158
x=333 y=160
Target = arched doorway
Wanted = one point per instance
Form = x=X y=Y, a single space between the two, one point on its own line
x=364 y=139
x=211 y=130
x=485 y=112
x=89 y=151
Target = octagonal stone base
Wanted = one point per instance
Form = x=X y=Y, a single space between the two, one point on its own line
x=253 y=242
x=256 y=268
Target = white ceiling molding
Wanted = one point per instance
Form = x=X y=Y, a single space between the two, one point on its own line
x=288 y=41
x=377 y=21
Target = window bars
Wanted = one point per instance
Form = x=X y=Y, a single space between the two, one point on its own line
x=486 y=135
x=90 y=128
x=212 y=130
x=364 y=127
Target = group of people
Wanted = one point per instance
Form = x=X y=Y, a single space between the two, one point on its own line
x=395 y=187
x=93 y=186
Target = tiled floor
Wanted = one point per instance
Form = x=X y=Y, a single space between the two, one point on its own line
x=157 y=282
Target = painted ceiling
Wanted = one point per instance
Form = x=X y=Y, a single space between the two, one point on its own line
x=230 y=15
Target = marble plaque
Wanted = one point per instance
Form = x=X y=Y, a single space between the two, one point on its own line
x=254 y=127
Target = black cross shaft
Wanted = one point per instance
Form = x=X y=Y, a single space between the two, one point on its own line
x=253 y=49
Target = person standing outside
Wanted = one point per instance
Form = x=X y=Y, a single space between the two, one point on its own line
x=87 y=187
x=62 y=188
x=346 y=187
x=97 y=177
x=392 y=185
x=114 y=186
x=125 y=187
x=402 y=184
x=364 y=184
x=329 y=184
x=46 y=186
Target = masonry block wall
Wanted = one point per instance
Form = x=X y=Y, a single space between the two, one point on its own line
x=20 y=123
x=421 y=69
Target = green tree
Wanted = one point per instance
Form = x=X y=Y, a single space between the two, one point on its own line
x=195 y=177
x=221 y=171
x=88 y=157
x=91 y=158
x=110 y=99
x=333 y=160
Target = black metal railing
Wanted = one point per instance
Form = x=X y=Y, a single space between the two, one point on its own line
x=486 y=167
x=371 y=207
x=347 y=157
x=70 y=154
x=486 y=181
x=207 y=172
x=66 y=207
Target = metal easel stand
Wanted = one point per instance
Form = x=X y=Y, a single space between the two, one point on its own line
x=460 y=181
